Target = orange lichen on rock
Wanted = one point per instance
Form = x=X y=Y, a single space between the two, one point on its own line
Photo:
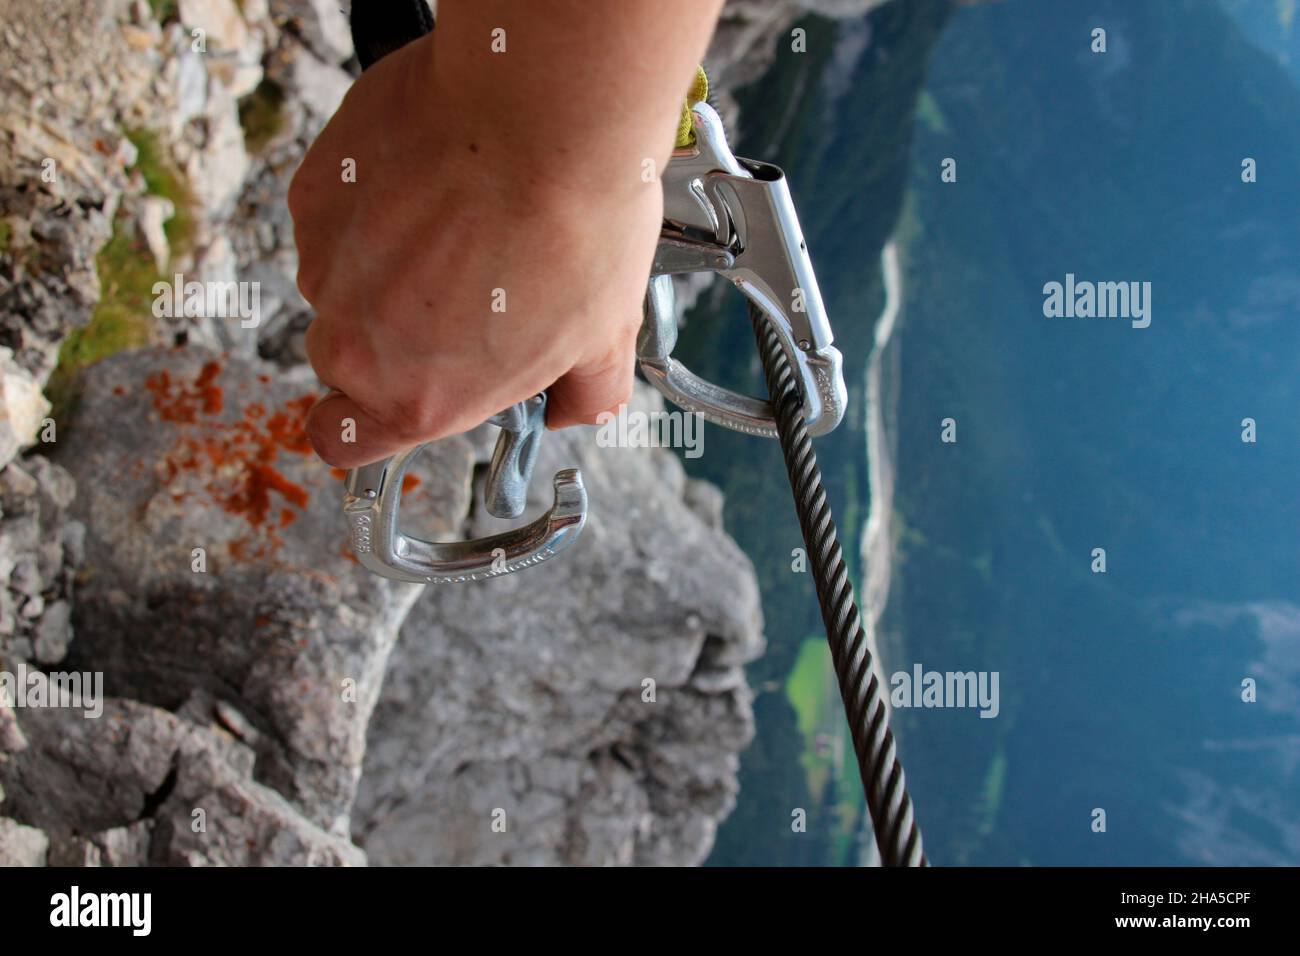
x=288 y=427
x=235 y=461
x=209 y=392
x=177 y=402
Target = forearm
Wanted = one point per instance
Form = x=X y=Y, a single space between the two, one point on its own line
x=584 y=92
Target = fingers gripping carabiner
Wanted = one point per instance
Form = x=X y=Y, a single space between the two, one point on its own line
x=374 y=494
x=735 y=217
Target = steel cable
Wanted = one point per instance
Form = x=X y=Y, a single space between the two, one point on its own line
x=897 y=835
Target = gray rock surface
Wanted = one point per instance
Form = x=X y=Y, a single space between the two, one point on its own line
x=63 y=65
x=20 y=845
x=141 y=785
x=39 y=548
x=528 y=693
x=215 y=560
x=744 y=44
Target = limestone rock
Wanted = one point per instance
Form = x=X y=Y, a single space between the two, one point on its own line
x=744 y=43
x=54 y=633
x=219 y=19
x=216 y=560
x=20 y=845
x=22 y=407
x=149 y=786
x=528 y=694
x=35 y=568
x=154 y=213
x=322 y=25
x=65 y=170
x=216 y=171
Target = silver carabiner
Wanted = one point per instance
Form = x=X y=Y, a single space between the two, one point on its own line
x=374 y=494
x=735 y=217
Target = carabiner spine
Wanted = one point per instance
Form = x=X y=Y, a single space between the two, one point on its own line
x=371 y=507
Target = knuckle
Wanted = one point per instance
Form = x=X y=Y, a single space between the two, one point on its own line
x=617 y=398
x=336 y=359
x=309 y=280
x=414 y=418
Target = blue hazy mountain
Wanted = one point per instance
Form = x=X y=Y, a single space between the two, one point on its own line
x=1273 y=26
x=1121 y=691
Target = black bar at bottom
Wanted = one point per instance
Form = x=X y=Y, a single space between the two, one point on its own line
x=559 y=905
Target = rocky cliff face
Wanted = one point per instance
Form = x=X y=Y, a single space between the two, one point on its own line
x=264 y=699
x=596 y=705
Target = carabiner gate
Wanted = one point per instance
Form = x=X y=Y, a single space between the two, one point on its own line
x=735 y=217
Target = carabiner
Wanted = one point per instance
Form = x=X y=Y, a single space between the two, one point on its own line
x=374 y=494
x=735 y=217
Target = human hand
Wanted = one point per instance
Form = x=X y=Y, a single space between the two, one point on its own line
x=452 y=279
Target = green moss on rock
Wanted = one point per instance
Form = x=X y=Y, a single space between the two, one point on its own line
x=261 y=114
x=163 y=179
x=127 y=272
x=120 y=321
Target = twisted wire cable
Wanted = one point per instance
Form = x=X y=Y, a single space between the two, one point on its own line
x=897 y=835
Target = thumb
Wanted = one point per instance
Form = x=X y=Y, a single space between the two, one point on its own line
x=345 y=436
